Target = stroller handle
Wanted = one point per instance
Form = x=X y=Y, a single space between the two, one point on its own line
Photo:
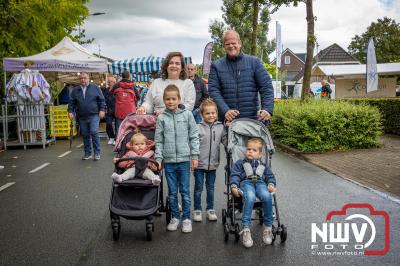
x=136 y=158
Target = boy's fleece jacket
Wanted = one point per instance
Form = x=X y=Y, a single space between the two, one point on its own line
x=210 y=138
x=147 y=153
x=238 y=174
x=176 y=137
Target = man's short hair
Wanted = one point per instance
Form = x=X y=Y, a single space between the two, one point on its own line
x=232 y=32
x=126 y=74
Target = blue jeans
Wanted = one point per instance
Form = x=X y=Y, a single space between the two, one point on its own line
x=196 y=115
x=89 y=127
x=250 y=192
x=178 y=175
x=198 y=188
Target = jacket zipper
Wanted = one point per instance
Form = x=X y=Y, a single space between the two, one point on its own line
x=209 y=151
x=176 y=146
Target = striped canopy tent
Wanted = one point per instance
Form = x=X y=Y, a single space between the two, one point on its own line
x=141 y=67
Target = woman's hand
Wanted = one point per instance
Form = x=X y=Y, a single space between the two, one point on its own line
x=141 y=111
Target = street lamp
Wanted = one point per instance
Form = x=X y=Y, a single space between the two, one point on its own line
x=93 y=14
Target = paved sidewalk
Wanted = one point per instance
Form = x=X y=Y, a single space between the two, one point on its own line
x=377 y=168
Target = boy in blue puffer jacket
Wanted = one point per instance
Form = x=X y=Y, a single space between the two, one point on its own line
x=177 y=146
x=250 y=178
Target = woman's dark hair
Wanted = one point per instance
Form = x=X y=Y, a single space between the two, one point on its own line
x=164 y=66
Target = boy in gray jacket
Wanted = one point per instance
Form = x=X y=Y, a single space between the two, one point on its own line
x=211 y=134
x=177 y=145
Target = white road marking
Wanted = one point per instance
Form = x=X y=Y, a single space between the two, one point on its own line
x=6 y=186
x=38 y=168
x=65 y=153
x=80 y=145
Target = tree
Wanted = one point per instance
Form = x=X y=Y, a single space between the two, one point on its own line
x=306 y=90
x=386 y=34
x=250 y=19
x=29 y=27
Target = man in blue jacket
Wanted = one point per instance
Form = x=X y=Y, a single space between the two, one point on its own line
x=236 y=80
x=87 y=101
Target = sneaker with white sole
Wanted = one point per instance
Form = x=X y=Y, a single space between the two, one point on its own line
x=246 y=237
x=197 y=216
x=110 y=141
x=186 y=226
x=267 y=235
x=87 y=157
x=211 y=216
x=173 y=224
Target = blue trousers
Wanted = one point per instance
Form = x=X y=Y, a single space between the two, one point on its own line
x=89 y=131
x=178 y=176
x=199 y=176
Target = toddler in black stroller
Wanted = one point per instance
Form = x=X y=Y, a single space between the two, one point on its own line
x=136 y=192
x=248 y=176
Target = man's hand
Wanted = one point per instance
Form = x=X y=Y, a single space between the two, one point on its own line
x=194 y=164
x=231 y=114
x=102 y=114
x=71 y=116
x=264 y=115
x=235 y=192
x=271 y=188
x=141 y=111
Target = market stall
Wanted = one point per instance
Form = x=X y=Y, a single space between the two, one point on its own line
x=32 y=110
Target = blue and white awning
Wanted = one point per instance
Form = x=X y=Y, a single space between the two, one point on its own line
x=140 y=65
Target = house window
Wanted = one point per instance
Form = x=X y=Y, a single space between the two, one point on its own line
x=287 y=60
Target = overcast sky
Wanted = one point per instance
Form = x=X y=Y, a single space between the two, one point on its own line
x=134 y=28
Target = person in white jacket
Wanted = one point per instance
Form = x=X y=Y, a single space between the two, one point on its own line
x=172 y=72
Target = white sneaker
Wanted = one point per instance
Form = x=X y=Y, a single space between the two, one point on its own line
x=110 y=141
x=197 y=216
x=186 y=226
x=246 y=238
x=113 y=143
x=173 y=224
x=267 y=235
x=211 y=216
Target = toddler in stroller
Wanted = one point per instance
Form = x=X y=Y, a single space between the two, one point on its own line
x=139 y=146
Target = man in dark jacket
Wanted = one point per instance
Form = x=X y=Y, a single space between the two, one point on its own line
x=236 y=80
x=201 y=91
x=110 y=103
x=87 y=101
x=325 y=90
x=126 y=98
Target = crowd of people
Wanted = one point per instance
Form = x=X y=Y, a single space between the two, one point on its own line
x=191 y=125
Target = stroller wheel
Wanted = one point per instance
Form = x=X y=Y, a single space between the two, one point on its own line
x=167 y=211
x=237 y=231
x=274 y=233
x=226 y=233
x=261 y=216
x=116 y=231
x=149 y=232
x=283 y=233
x=223 y=216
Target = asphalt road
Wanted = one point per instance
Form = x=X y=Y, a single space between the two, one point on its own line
x=59 y=215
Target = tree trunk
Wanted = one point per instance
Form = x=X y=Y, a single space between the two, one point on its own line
x=310 y=50
x=255 y=24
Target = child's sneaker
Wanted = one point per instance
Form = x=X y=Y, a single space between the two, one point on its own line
x=156 y=181
x=186 y=226
x=246 y=238
x=117 y=178
x=211 y=216
x=267 y=235
x=173 y=224
x=197 y=216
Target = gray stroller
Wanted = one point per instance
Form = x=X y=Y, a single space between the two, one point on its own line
x=238 y=133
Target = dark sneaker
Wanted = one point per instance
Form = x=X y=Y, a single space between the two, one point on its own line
x=87 y=157
x=97 y=157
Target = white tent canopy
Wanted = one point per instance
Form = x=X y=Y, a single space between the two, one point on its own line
x=66 y=56
x=347 y=70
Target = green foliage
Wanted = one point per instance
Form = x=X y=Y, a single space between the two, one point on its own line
x=386 y=34
x=238 y=15
x=321 y=125
x=390 y=110
x=30 y=27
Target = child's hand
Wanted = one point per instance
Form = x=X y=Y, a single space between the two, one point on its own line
x=115 y=159
x=235 y=192
x=271 y=188
x=153 y=167
x=194 y=164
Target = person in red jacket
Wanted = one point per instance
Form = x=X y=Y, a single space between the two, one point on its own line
x=126 y=98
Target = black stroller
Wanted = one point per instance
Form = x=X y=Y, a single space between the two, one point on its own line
x=238 y=133
x=135 y=199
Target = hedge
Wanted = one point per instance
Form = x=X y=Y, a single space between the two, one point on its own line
x=323 y=125
x=389 y=108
